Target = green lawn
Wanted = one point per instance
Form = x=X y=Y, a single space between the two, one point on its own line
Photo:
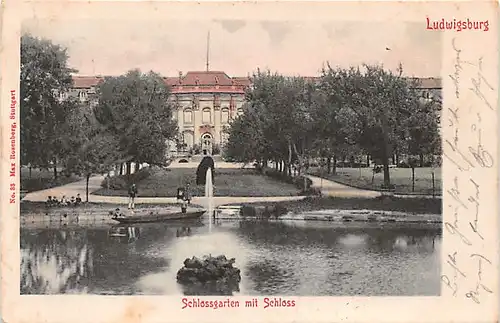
x=400 y=177
x=40 y=179
x=228 y=182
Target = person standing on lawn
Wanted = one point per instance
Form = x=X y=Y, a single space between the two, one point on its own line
x=132 y=192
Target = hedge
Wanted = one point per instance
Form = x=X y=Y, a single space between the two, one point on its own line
x=122 y=182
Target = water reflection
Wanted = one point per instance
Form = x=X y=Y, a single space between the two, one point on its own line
x=63 y=262
x=124 y=233
x=274 y=257
x=184 y=232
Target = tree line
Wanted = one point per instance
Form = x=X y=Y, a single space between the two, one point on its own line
x=290 y=121
x=364 y=112
x=131 y=122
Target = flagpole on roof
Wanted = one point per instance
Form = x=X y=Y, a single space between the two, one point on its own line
x=208 y=50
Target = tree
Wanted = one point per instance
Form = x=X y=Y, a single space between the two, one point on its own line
x=277 y=123
x=135 y=109
x=349 y=112
x=44 y=73
x=243 y=139
x=381 y=103
x=336 y=124
x=89 y=148
x=422 y=136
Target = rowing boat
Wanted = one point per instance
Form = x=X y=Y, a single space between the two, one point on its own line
x=160 y=217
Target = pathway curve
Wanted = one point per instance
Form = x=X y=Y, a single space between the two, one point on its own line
x=75 y=188
x=327 y=187
x=330 y=188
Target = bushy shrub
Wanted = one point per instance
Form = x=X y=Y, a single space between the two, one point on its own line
x=122 y=182
x=298 y=181
x=141 y=174
x=115 y=183
x=195 y=150
x=390 y=187
x=278 y=175
x=216 y=149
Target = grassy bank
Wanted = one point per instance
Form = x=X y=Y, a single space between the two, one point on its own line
x=400 y=177
x=40 y=206
x=228 y=182
x=41 y=179
x=409 y=205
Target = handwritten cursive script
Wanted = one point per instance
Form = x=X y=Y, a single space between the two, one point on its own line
x=480 y=287
x=469 y=157
x=458 y=68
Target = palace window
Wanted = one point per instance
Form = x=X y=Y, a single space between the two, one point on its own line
x=206 y=117
x=225 y=116
x=188 y=116
x=82 y=95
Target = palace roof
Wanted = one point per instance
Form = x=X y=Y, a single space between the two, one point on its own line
x=82 y=82
x=428 y=82
x=218 y=81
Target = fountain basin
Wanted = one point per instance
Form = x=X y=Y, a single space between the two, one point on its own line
x=209 y=275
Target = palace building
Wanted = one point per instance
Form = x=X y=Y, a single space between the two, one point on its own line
x=205 y=103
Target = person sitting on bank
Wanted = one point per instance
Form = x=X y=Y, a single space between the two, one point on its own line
x=132 y=193
x=78 y=199
x=72 y=201
x=64 y=201
x=49 y=201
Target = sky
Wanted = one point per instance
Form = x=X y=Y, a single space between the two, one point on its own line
x=292 y=47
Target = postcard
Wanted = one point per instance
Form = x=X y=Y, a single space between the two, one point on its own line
x=285 y=161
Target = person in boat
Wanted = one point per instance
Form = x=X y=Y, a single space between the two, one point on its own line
x=184 y=205
x=132 y=193
x=117 y=214
x=78 y=199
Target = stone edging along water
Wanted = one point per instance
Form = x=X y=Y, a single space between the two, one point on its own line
x=339 y=215
x=332 y=215
x=364 y=216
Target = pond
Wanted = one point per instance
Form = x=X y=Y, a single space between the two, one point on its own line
x=301 y=258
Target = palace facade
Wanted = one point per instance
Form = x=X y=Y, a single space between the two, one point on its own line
x=205 y=102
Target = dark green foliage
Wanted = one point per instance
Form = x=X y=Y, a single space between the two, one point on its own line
x=301 y=182
x=136 y=110
x=347 y=114
x=407 y=205
x=122 y=182
x=44 y=73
